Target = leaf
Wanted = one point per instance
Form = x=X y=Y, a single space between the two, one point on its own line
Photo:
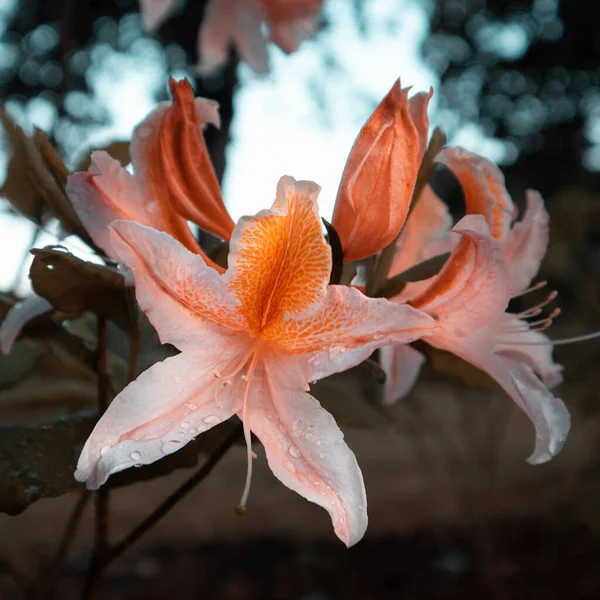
x=118 y=150
x=337 y=253
x=424 y=270
x=39 y=461
x=74 y=286
x=36 y=179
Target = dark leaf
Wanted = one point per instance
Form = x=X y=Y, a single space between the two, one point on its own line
x=74 y=286
x=337 y=253
x=118 y=150
x=425 y=270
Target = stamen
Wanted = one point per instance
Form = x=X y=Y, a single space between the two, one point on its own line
x=544 y=323
x=241 y=508
x=536 y=310
x=537 y=286
x=564 y=341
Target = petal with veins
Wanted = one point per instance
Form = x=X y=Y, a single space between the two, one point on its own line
x=527 y=243
x=18 y=316
x=184 y=299
x=402 y=365
x=306 y=450
x=380 y=175
x=483 y=187
x=166 y=407
x=279 y=261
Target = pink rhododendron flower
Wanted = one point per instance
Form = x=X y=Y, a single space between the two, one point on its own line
x=251 y=340
x=240 y=23
x=490 y=263
x=174 y=179
x=381 y=173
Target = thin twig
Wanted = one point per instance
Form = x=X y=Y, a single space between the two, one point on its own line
x=154 y=517
x=47 y=587
x=102 y=495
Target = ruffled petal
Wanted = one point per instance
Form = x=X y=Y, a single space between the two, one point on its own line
x=527 y=243
x=472 y=289
x=146 y=157
x=186 y=166
x=402 y=365
x=483 y=186
x=380 y=175
x=18 y=316
x=166 y=407
x=306 y=449
x=184 y=299
x=279 y=261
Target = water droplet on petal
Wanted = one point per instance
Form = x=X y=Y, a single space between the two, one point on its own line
x=289 y=466
x=104 y=450
x=184 y=424
x=191 y=406
x=136 y=455
x=212 y=419
x=309 y=437
x=294 y=452
x=170 y=447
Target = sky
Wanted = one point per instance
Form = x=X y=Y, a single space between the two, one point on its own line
x=301 y=119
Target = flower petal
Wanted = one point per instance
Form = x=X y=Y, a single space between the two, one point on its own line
x=186 y=166
x=426 y=233
x=306 y=450
x=515 y=339
x=402 y=365
x=472 y=289
x=289 y=35
x=346 y=328
x=527 y=243
x=279 y=261
x=18 y=316
x=154 y=12
x=216 y=34
x=108 y=192
x=380 y=175
x=549 y=415
x=249 y=39
x=184 y=299
x=483 y=187
x=166 y=407
x=147 y=160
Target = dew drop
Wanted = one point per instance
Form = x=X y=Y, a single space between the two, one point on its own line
x=289 y=466
x=181 y=434
x=191 y=406
x=309 y=437
x=170 y=447
x=294 y=452
x=184 y=424
x=212 y=420
x=319 y=442
x=297 y=424
x=136 y=455
x=176 y=378
x=104 y=450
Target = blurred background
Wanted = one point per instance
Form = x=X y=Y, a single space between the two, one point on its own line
x=454 y=509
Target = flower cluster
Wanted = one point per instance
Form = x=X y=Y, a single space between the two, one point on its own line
x=255 y=334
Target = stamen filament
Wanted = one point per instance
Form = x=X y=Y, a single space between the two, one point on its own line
x=533 y=288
